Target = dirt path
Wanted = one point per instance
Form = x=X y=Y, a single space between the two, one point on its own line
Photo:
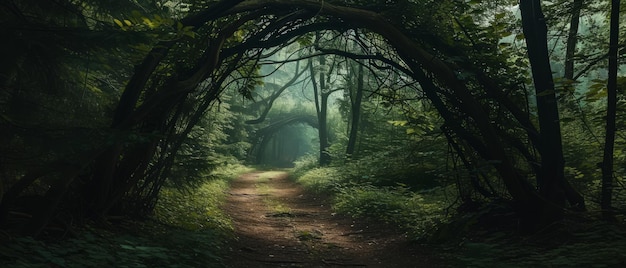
x=277 y=224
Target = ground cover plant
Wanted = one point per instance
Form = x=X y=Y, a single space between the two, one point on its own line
x=188 y=229
x=488 y=236
x=355 y=194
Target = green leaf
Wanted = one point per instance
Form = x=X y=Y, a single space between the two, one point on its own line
x=398 y=122
x=190 y=34
x=148 y=22
x=119 y=23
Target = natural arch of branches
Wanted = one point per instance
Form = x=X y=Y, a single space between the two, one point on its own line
x=481 y=111
x=263 y=135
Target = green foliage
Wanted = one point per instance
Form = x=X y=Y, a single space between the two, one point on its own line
x=303 y=165
x=142 y=245
x=190 y=231
x=598 y=246
x=321 y=180
x=415 y=212
x=67 y=62
x=198 y=208
x=218 y=140
x=388 y=168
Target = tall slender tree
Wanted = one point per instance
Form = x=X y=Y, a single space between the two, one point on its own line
x=321 y=93
x=572 y=39
x=356 y=97
x=551 y=177
x=611 y=111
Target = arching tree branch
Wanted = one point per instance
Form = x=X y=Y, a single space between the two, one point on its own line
x=277 y=94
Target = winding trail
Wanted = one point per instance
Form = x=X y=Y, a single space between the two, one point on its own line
x=278 y=224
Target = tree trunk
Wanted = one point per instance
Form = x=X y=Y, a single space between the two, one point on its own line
x=552 y=178
x=355 y=112
x=321 y=104
x=572 y=39
x=527 y=201
x=323 y=127
x=323 y=131
x=611 y=110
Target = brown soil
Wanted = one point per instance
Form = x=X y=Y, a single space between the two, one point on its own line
x=278 y=224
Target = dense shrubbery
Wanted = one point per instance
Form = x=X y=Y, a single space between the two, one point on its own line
x=483 y=237
x=317 y=179
x=198 y=208
x=414 y=212
x=355 y=194
x=387 y=169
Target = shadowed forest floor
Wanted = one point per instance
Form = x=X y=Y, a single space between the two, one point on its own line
x=278 y=224
x=273 y=222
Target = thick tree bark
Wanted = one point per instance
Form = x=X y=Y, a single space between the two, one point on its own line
x=611 y=110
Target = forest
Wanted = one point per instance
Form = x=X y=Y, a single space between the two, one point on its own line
x=136 y=133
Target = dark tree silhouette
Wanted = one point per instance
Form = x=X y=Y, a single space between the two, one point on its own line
x=611 y=111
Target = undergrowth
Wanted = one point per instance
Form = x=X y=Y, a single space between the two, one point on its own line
x=573 y=244
x=414 y=212
x=198 y=208
x=145 y=244
x=355 y=194
x=188 y=230
x=485 y=238
x=321 y=180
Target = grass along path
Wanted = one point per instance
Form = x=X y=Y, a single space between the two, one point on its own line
x=278 y=224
